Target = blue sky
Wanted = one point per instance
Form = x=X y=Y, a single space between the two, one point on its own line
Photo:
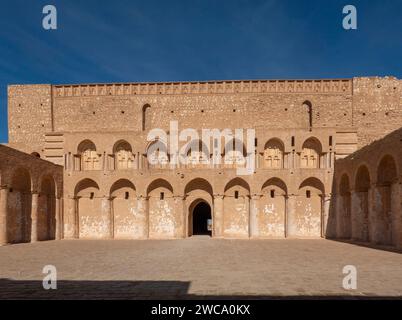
x=130 y=40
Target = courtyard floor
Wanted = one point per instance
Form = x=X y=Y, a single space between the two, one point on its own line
x=197 y=268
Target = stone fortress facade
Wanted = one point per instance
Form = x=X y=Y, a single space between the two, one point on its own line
x=328 y=161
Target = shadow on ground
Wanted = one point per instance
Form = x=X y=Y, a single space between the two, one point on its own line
x=368 y=245
x=130 y=290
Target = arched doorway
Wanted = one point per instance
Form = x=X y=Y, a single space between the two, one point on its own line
x=200 y=220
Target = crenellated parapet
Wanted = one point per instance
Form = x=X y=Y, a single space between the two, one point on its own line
x=210 y=87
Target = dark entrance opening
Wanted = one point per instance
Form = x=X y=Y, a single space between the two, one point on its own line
x=202 y=223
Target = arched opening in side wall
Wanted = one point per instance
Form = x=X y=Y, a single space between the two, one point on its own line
x=200 y=218
x=19 y=206
x=362 y=207
x=344 y=210
x=47 y=210
x=386 y=185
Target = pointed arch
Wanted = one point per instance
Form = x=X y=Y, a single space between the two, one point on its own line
x=274 y=154
x=123 y=155
x=237 y=182
x=314 y=183
x=198 y=184
x=159 y=183
x=87 y=157
x=121 y=187
x=235 y=153
x=311 y=153
x=85 y=187
x=275 y=182
x=157 y=155
x=197 y=154
x=86 y=145
x=363 y=180
x=387 y=172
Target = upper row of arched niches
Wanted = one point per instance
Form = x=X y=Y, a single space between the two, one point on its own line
x=89 y=158
x=287 y=143
x=143 y=147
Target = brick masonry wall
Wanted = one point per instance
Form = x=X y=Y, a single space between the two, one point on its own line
x=29 y=116
x=198 y=111
x=372 y=105
x=277 y=109
x=377 y=107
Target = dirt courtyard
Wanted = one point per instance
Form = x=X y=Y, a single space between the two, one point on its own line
x=197 y=268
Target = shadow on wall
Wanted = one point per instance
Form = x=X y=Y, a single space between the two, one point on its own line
x=330 y=231
x=367 y=195
x=130 y=290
